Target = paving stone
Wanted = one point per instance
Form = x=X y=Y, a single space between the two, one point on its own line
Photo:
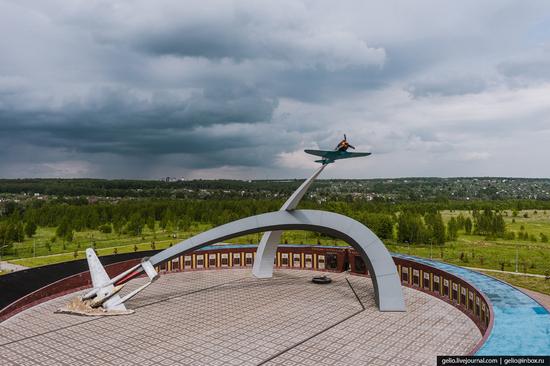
x=227 y=317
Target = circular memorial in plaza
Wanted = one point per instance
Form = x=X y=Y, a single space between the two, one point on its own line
x=205 y=302
x=215 y=317
x=207 y=308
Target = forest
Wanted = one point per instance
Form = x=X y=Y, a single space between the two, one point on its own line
x=387 y=190
x=410 y=222
x=495 y=224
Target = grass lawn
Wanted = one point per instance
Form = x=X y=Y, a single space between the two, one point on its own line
x=467 y=250
x=532 y=283
x=536 y=222
x=105 y=244
x=41 y=244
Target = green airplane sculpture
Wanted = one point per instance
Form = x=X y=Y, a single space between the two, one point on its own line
x=329 y=156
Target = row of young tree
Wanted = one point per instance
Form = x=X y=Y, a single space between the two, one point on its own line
x=416 y=228
x=421 y=223
x=12 y=231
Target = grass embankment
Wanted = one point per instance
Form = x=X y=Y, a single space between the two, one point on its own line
x=105 y=244
x=538 y=284
x=467 y=250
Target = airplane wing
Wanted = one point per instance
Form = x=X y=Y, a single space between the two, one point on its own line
x=330 y=156
x=321 y=153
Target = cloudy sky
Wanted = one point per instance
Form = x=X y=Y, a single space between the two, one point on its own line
x=222 y=89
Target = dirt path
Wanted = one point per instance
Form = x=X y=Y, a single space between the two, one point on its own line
x=506 y=272
x=10 y=267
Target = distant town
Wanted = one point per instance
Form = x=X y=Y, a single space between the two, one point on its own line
x=386 y=190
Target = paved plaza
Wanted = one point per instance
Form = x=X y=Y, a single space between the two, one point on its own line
x=227 y=317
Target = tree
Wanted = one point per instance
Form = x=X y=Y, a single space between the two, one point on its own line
x=63 y=229
x=5 y=240
x=69 y=237
x=468 y=225
x=489 y=223
x=12 y=232
x=118 y=225
x=436 y=227
x=452 y=229
x=106 y=228
x=151 y=225
x=385 y=229
x=135 y=224
x=410 y=228
x=30 y=229
x=381 y=224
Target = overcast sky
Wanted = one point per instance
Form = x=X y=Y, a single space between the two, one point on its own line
x=222 y=89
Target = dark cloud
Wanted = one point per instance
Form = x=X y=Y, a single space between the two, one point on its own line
x=114 y=120
x=528 y=70
x=447 y=87
x=212 y=41
x=137 y=88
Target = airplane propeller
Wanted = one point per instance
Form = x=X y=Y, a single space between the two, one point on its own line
x=346 y=139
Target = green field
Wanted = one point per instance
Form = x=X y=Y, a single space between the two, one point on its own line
x=478 y=251
x=34 y=252
x=468 y=250
x=532 y=283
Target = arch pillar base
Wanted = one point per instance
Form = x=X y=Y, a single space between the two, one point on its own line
x=265 y=254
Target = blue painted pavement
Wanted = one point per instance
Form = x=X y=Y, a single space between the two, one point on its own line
x=521 y=325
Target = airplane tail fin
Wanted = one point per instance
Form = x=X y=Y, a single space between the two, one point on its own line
x=97 y=272
x=107 y=294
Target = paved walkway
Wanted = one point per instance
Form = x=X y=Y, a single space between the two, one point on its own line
x=10 y=267
x=541 y=298
x=521 y=325
x=228 y=317
x=507 y=272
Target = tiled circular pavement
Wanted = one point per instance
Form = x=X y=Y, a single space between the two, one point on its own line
x=227 y=317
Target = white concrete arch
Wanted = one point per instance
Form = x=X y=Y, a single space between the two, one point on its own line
x=265 y=254
x=388 y=293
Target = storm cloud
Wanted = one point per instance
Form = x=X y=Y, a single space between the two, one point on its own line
x=237 y=89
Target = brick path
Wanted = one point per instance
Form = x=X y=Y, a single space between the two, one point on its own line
x=227 y=317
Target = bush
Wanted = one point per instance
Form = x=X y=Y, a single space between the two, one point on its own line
x=106 y=229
